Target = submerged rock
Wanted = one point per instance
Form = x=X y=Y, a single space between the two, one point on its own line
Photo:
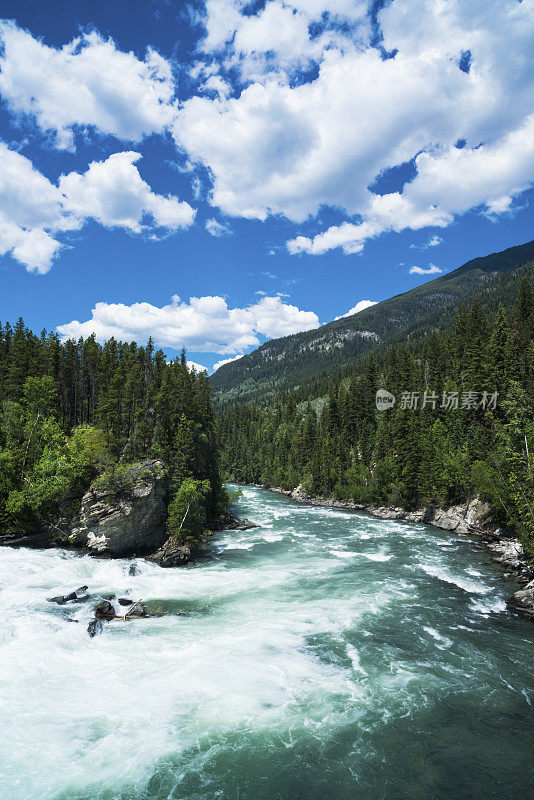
x=94 y=627
x=131 y=521
x=77 y=594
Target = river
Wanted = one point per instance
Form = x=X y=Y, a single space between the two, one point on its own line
x=325 y=655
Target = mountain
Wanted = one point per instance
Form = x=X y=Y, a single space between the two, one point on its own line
x=295 y=360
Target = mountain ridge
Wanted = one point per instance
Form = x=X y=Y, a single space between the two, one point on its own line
x=291 y=361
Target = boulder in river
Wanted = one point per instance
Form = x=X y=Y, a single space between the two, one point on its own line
x=77 y=594
x=172 y=554
x=228 y=522
x=104 y=610
x=94 y=627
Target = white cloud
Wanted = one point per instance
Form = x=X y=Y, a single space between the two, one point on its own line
x=295 y=110
x=290 y=147
x=88 y=82
x=204 y=324
x=430 y=270
x=277 y=37
x=196 y=367
x=217 y=85
x=30 y=212
x=113 y=193
x=448 y=183
x=227 y=361
x=34 y=211
x=433 y=241
x=360 y=306
x=217 y=229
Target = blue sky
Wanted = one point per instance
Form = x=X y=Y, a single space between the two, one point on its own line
x=329 y=146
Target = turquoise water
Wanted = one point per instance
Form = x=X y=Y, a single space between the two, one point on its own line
x=325 y=655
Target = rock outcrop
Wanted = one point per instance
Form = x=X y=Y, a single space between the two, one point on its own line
x=172 y=554
x=523 y=600
x=465 y=518
x=123 y=523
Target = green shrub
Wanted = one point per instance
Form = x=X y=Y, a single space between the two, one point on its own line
x=187 y=512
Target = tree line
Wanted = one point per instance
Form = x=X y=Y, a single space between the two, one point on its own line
x=71 y=411
x=462 y=423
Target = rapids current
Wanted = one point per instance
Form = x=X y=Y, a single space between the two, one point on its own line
x=326 y=655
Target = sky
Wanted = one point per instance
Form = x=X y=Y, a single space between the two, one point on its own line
x=214 y=174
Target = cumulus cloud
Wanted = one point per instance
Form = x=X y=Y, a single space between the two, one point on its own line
x=113 y=193
x=292 y=146
x=196 y=367
x=296 y=109
x=226 y=361
x=448 y=183
x=34 y=211
x=360 y=306
x=430 y=270
x=217 y=229
x=86 y=83
x=278 y=38
x=203 y=324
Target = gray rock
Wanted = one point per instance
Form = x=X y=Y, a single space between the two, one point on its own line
x=104 y=610
x=230 y=523
x=172 y=554
x=122 y=524
x=94 y=627
x=77 y=594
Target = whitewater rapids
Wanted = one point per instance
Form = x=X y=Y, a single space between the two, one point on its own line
x=326 y=655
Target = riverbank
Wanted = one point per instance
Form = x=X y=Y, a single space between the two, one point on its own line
x=121 y=519
x=472 y=518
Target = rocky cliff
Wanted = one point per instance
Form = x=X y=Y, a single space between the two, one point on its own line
x=125 y=521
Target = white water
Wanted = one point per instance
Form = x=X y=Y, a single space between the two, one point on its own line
x=326 y=655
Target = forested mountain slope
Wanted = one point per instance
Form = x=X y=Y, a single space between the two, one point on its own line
x=296 y=360
x=462 y=423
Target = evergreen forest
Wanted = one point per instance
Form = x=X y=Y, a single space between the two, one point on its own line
x=462 y=423
x=77 y=412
